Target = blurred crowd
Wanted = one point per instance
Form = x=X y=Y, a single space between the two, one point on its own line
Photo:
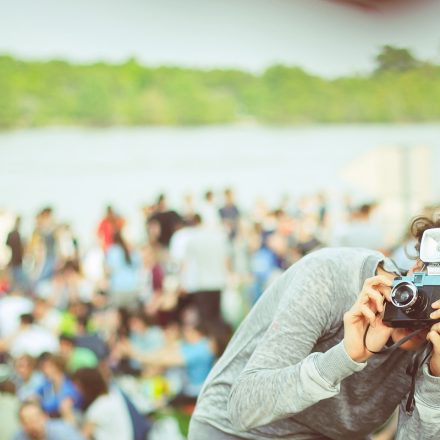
x=95 y=341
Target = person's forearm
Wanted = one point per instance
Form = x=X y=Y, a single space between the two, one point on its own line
x=67 y=414
x=259 y=397
x=87 y=430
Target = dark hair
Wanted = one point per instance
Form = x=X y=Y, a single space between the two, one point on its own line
x=7 y=387
x=196 y=220
x=160 y=198
x=71 y=265
x=123 y=328
x=366 y=208
x=83 y=321
x=146 y=320
x=67 y=338
x=55 y=359
x=31 y=361
x=68 y=266
x=220 y=333
x=117 y=239
x=92 y=384
x=26 y=318
x=46 y=210
x=419 y=225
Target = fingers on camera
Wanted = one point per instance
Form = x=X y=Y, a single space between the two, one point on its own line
x=368 y=313
x=370 y=294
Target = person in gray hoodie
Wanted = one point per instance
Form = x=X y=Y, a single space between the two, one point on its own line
x=298 y=368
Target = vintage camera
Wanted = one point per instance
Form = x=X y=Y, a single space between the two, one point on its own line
x=412 y=296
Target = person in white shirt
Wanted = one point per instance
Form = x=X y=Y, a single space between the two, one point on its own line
x=204 y=269
x=210 y=212
x=31 y=339
x=362 y=231
x=47 y=316
x=12 y=307
x=106 y=412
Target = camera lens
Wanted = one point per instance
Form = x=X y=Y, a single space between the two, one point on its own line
x=407 y=298
x=404 y=294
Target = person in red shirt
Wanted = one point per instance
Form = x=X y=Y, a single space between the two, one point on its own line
x=110 y=224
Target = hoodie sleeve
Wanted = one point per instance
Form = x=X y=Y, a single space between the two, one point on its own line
x=424 y=423
x=283 y=376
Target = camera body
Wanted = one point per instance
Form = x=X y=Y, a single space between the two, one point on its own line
x=411 y=299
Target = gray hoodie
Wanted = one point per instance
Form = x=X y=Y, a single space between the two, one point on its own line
x=286 y=374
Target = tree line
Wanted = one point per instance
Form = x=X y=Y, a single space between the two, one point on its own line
x=56 y=92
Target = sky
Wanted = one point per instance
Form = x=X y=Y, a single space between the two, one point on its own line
x=323 y=37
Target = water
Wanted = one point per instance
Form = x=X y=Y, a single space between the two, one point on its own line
x=79 y=171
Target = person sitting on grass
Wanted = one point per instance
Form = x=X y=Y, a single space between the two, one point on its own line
x=195 y=352
x=57 y=393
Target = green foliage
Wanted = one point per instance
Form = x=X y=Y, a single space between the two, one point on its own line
x=59 y=93
x=395 y=59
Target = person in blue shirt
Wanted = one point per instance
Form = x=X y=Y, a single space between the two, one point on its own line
x=57 y=391
x=27 y=378
x=195 y=353
x=124 y=270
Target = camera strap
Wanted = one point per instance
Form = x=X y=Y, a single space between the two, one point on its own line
x=395 y=345
x=413 y=367
x=412 y=371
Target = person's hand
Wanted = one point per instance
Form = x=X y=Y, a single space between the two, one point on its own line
x=366 y=310
x=66 y=411
x=434 y=337
x=66 y=406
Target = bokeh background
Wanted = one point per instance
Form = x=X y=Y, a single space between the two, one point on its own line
x=321 y=118
x=272 y=98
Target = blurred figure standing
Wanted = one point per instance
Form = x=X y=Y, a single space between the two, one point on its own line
x=205 y=268
x=230 y=214
x=188 y=209
x=209 y=212
x=166 y=219
x=15 y=243
x=67 y=244
x=361 y=231
x=151 y=278
x=263 y=263
x=124 y=270
x=108 y=226
x=42 y=247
